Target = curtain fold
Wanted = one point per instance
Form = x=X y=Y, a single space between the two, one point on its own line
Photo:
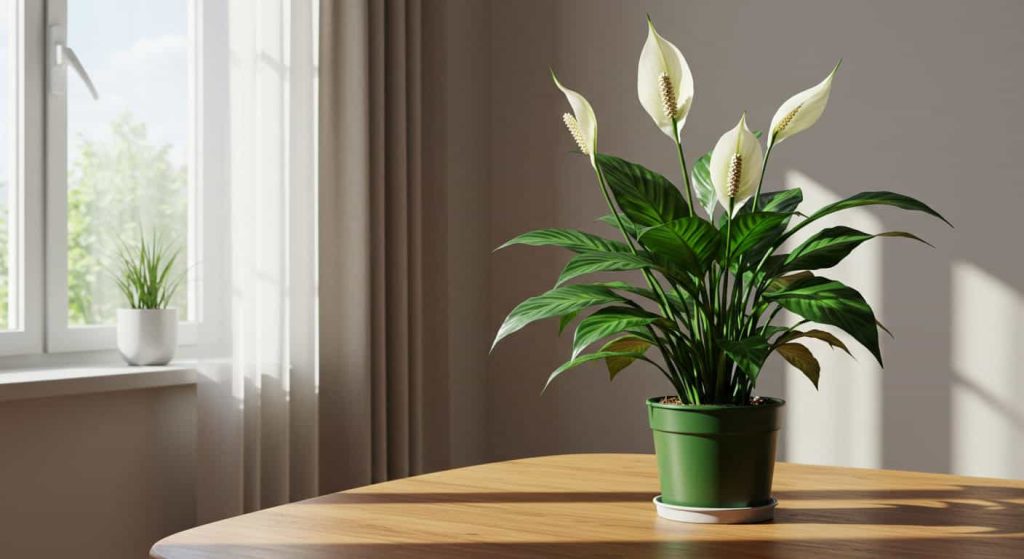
x=374 y=414
x=324 y=347
x=257 y=416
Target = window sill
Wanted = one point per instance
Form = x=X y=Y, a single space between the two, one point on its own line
x=45 y=383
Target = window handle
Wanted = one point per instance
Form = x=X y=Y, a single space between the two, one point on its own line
x=67 y=54
x=62 y=56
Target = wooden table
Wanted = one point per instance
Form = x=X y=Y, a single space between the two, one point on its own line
x=599 y=505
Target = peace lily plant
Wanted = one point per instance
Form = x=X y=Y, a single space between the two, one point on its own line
x=715 y=278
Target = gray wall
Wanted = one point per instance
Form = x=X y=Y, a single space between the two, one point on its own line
x=96 y=476
x=458 y=105
x=927 y=103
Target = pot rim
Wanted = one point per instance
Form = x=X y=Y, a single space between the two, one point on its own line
x=655 y=402
x=126 y=309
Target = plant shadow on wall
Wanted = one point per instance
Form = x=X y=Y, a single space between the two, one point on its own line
x=987 y=324
x=939 y=395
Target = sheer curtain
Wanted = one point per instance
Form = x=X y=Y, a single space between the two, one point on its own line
x=257 y=413
x=324 y=327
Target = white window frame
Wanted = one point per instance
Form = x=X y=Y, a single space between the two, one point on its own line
x=25 y=164
x=37 y=191
x=59 y=336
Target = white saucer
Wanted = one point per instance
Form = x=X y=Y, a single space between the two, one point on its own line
x=700 y=515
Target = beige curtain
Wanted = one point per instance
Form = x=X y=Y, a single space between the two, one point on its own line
x=382 y=326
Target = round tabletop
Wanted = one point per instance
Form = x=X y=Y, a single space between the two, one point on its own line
x=599 y=505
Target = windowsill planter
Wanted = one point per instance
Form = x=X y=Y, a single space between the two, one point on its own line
x=147 y=336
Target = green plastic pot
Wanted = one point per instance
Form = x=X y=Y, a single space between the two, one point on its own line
x=715 y=456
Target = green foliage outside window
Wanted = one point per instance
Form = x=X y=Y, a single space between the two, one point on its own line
x=3 y=255
x=119 y=186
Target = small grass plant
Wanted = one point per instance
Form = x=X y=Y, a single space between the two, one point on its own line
x=147 y=276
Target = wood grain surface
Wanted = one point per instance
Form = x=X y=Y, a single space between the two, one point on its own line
x=599 y=505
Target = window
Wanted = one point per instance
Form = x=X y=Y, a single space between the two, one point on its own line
x=115 y=82
x=21 y=171
x=8 y=100
x=127 y=151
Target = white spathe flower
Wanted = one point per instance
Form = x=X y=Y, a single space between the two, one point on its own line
x=582 y=123
x=802 y=110
x=736 y=165
x=664 y=83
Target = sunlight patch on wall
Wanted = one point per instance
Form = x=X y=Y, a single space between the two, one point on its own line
x=841 y=423
x=988 y=334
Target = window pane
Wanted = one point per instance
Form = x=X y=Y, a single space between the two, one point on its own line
x=128 y=150
x=8 y=153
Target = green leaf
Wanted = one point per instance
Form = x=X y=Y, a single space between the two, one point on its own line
x=780 y=283
x=590 y=262
x=801 y=358
x=145 y=278
x=680 y=303
x=632 y=355
x=629 y=288
x=756 y=229
x=701 y=182
x=643 y=334
x=770 y=330
x=607 y=322
x=556 y=302
x=690 y=242
x=830 y=302
x=567 y=238
x=565 y=319
x=748 y=354
x=822 y=335
x=781 y=201
x=631 y=229
x=646 y=197
x=830 y=246
x=871 y=199
x=626 y=349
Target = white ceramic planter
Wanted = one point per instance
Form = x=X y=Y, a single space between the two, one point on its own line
x=147 y=336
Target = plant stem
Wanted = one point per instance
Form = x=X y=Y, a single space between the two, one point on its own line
x=674 y=375
x=723 y=303
x=728 y=261
x=753 y=208
x=793 y=327
x=720 y=378
x=652 y=282
x=684 y=171
x=771 y=317
x=682 y=168
x=764 y=166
